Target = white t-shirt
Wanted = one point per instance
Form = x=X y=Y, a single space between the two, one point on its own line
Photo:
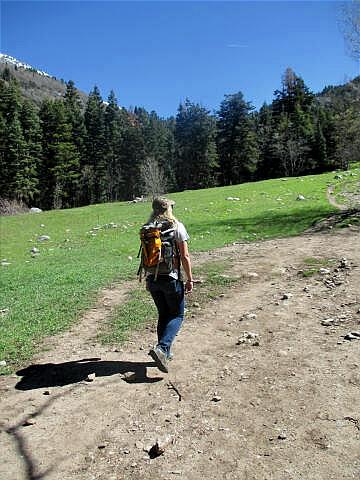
x=181 y=235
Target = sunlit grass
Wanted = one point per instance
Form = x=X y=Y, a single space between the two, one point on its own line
x=91 y=247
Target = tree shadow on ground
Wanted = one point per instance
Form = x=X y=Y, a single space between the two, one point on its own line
x=279 y=221
x=61 y=374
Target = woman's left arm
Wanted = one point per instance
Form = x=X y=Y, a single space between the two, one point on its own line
x=186 y=263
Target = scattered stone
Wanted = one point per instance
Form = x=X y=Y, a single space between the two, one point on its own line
x=139 y=445
x=46 y=392
x=102 y=446
x=5 y=263
x=328 y=322
x=352 y=336
x=252 y=274
x=29 y=422
x=216 y=398
x=3 y=363
x=324 y=271
x=251 y=338
x=35 y=210
x=286 y=296
x=91 y=377
x=344 y=263
x=251 y=335
x=138 y=199
x=282 y=436
x=130 y=257
x=300 y=197
x=35 y=251
x=248 y=316
x=128 y=376
x=160 y=446
x=196 y=304
x=338 y=177
x=43 y=238
x=233 y=198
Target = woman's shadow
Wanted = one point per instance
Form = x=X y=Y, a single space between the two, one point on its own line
x=60 y=374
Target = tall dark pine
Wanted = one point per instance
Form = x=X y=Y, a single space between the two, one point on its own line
x=94 y=186
x=132 y=156
x=12 y=148
x=114 y=129
x=196 y=154
x=264 y=133
x=60 y=168
x=293 y=127
x=158 y=142
x=237 y=142
x=27 y=181
x=75 y=117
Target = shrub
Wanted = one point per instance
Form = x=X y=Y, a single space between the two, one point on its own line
x=12 y=207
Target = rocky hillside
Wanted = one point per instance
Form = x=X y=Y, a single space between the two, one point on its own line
x=35 y=84
x=341 y=96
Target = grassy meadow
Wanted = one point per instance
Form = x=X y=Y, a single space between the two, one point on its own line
x=91 y=247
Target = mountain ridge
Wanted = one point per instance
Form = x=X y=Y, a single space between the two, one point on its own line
x=36 y=85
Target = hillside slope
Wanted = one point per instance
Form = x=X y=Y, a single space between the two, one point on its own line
x=284 y=407
x=35 y=85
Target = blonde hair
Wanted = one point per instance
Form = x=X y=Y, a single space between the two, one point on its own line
x=165 y=215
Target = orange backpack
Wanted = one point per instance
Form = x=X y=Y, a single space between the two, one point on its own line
x=158 y=248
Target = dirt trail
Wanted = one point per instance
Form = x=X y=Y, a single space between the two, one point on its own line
x=288 y=408
x=332 y=200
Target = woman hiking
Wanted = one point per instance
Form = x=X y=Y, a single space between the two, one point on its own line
x=165 y=239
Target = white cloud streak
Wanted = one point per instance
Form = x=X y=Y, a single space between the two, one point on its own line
x=236 y=45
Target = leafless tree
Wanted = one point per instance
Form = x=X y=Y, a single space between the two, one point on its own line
x=153 y=178
x=351 y=27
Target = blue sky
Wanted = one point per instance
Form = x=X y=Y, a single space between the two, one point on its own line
x=155 y=54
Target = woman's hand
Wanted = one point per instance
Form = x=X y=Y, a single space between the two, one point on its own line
x=189 y=286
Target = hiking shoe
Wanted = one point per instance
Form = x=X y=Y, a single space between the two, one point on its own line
x=159 y=358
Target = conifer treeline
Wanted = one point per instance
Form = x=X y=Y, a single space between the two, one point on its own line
x=63 y=155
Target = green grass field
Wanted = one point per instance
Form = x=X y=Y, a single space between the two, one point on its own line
x=91 y=247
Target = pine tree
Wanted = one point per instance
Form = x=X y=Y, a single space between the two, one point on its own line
x=95 y=148
x=319 y=148
x=264 y=134
x=294 y=92
x=195 y=143
x=27 y=176
x=132 y=157
x=293 y=125
x=13 y=145
x=114 y=127
x=158 y=145
x=75 y=117
x=60 y=168
x=237 y=142
x=15 y=155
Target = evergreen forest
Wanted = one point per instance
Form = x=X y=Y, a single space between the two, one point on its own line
x=65 y=154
